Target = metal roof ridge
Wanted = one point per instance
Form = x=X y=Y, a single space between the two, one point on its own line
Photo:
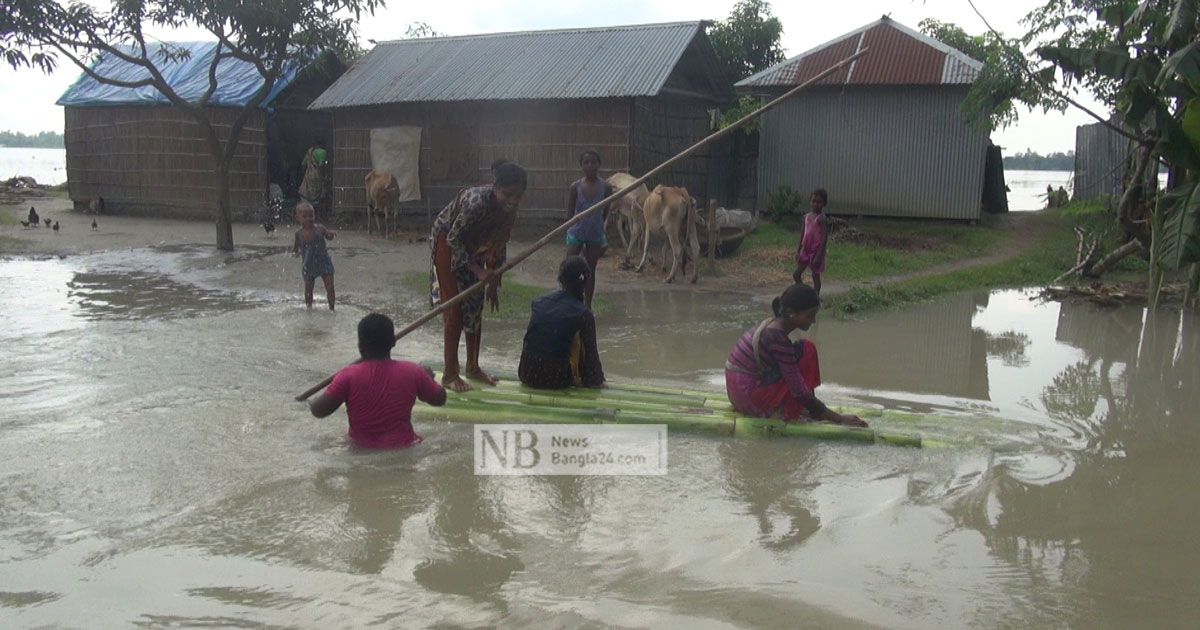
x=934 y=43
x=814 y=49
x=595 y=29
x=885 y=20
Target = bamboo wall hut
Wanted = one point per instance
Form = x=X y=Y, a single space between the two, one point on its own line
x=145 y=156
x=884 y=134
x=637 y=94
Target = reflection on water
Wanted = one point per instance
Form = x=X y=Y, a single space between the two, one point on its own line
x=158 y=474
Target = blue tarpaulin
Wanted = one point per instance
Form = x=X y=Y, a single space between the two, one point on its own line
x=237 y=81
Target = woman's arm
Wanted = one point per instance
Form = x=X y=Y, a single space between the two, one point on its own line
x=592 y=371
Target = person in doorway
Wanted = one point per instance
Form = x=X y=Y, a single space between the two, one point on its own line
x=317 y=185
x=469 y=242
x=560 y=343
x=769 y=376
x=310 y=246
x=588 y=237
x=810 y=253
x=378 y=391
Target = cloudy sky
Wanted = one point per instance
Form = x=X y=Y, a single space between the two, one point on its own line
x=29 y=96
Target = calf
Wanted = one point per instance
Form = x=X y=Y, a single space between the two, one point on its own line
x=670 y=211
x=383 y=197
x=627 y=211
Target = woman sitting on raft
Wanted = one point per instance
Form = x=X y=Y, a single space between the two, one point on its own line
x=768 y=376
x=560 y=344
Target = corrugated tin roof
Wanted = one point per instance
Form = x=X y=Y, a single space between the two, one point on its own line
x=237 y=81
x=898 y=56
x=572 y=63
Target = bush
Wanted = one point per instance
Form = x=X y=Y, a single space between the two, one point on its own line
x=784 y=201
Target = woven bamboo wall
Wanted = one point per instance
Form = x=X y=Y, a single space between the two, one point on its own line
x=662 y=127
x=155 y=160
x=459 y=142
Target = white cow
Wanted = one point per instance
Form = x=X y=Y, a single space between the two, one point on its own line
x=627 y=211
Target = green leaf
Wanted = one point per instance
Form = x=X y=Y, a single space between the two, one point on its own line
x=1191 y=123
x=1173 y=142
x=1185 y=63
x=1179 y=239
x=1136 y=106
x=1112 y=62
x=1182 y=27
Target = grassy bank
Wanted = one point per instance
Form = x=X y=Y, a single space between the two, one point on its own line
x=1052 y=253
x=879 y=248
x=514 y=297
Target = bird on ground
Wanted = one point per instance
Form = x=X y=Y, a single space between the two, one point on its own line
x=55 y=226
x=47 y=220
x=24 y=224
x=94 y=225
x=269 y=226
x=33 y=217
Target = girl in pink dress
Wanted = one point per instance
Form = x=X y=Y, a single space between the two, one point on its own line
x=810 y=253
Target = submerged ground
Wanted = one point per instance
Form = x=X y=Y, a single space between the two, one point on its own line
x=158 y=473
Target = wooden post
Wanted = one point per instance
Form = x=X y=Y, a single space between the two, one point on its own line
x=714 y=235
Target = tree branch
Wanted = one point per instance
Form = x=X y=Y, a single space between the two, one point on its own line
x=212 y=76
x=87 y=69
x=1050 y=88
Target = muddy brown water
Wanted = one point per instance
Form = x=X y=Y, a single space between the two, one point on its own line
x=157 y=474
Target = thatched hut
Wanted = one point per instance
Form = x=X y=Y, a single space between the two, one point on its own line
x=145 y=156
x=637 y=94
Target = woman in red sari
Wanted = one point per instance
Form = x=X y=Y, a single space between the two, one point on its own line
x=768 y=376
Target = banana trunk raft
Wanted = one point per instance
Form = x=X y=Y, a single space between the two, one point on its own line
x=692 y=411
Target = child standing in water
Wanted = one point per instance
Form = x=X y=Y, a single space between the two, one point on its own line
x=810 y=253
x=587 y=237
x=314 y=255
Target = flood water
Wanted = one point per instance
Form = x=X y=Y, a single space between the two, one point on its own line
x=158 y=474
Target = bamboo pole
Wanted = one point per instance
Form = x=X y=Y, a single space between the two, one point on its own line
x=714 y=235
x=556 y=232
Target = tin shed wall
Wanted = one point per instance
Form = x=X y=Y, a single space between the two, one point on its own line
x=879 y=151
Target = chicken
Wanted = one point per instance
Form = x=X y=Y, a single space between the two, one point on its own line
x=25 y=224
x=47 y=221
x=269 y=226
x=55 y=226
x=94 y=225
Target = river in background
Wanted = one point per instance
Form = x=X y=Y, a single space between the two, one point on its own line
x=1027 y=189
x=47 y=166
x=157 y=472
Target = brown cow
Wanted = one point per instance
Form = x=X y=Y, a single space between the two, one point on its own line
x=670 y=211
x=627 y=211
x=383 y=197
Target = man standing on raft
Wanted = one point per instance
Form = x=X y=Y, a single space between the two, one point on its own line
x=469 y=242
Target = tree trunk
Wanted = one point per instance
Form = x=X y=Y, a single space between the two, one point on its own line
x=1134 y=246
x=224 y=209
x=1156 y=271
x=1192 y=295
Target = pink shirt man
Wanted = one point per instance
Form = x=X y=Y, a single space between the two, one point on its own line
x=379 y=396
